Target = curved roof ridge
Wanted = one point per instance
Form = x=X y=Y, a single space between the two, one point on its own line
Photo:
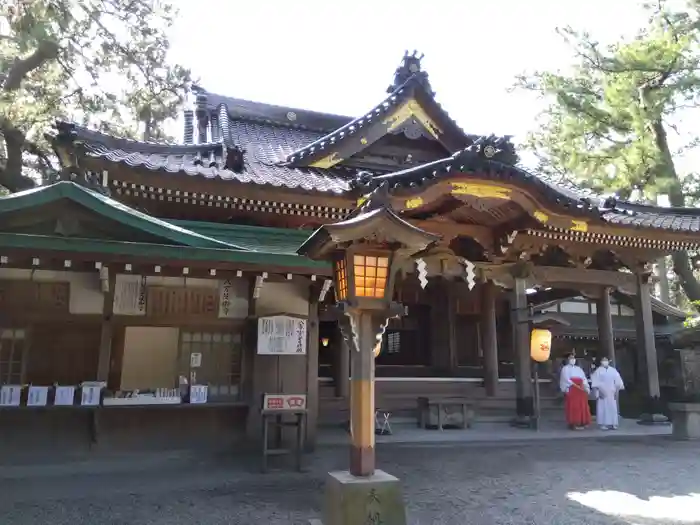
x=76 y=132
x=244 y=109
x=388 y=102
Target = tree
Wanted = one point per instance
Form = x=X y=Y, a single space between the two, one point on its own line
x=100 y=62
x=607 y=121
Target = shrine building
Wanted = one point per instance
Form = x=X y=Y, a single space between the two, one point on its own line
x=147 y=266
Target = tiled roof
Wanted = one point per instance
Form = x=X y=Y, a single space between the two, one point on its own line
x=264 y=145
x=241 y=109
x=644 y=216
x=487 y=156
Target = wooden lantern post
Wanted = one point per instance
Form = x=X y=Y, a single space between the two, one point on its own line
x=366 y=250
x=540 y=351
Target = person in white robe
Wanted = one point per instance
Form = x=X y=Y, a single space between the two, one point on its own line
x=607 y=383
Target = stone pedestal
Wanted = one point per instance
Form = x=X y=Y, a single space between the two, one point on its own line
x=686 y=420
x=354 y=500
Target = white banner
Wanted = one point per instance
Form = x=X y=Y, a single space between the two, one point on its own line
x=233 y=299
x=281 y=335
x=130 y=295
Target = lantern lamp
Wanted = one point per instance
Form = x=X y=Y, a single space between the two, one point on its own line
x=324 y=341
x=540 y=344
x=363 y=277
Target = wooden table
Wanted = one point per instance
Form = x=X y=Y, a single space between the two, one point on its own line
x=425 y=404
x=276 y=419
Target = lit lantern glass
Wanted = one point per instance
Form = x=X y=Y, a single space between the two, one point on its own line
x=377 y=349
x=341 y=280
x=371 y=274
x=540 y=345
x=324 y=341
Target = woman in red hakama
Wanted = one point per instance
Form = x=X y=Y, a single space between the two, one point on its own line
x=578 y=413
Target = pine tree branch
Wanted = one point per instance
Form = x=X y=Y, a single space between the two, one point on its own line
x=23 y=66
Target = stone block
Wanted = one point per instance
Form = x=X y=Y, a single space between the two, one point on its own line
x=686 y=420
x=351 y=500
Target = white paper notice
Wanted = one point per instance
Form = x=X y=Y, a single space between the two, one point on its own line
x=37 y=396
x=64 y=395
x=198 y=394
x=90 y=396
x=9 y=395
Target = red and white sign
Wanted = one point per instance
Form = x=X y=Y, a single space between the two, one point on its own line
x=284 y=402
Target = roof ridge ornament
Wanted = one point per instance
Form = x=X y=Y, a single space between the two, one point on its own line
x=411 y=67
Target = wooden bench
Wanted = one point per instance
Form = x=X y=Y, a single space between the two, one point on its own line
x=426 y=405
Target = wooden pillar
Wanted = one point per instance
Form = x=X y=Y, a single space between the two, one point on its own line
x=312 y=371
x=521 y=349
x=605 y=326
x=342 y=375
x=489 y=337
x=646 y=343
x=362 y=453
x=443 y=315
x=106 y=335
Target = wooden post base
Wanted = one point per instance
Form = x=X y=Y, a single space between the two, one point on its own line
x=370 y=499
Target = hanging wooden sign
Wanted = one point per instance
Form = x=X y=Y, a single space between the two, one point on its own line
x=42 y=296
x=163 y=301
x=281 y=335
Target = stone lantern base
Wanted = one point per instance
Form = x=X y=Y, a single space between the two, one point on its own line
x=686 y=420
x=351 y=500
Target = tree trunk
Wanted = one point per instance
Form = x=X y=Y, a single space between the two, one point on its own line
x=681 y=262
x=11 y=176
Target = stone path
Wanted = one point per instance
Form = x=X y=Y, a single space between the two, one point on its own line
x=561 y=482
x=405 y=431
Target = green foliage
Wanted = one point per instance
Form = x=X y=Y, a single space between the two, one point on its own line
x=101 y=62
x=606 y=123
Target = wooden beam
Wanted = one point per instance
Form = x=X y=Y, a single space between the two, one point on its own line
x=22 y=258
x=106 y=335
x=312 y=390
x=564 y=277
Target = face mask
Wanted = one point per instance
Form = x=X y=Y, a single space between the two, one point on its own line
x=572 y=361
x=605 y=363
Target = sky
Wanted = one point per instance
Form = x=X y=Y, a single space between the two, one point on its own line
x=339 y=57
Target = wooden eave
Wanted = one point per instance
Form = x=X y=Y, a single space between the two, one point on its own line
x=380 y=223
x=130 y=252
x=154 y=181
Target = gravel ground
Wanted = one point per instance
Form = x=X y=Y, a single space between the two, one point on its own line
x=449 y=484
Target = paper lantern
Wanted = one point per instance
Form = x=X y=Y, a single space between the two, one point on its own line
x=540 y=345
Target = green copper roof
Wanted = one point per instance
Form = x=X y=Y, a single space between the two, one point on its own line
x=181 y=240
x=109 y=208
x=255 y=238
